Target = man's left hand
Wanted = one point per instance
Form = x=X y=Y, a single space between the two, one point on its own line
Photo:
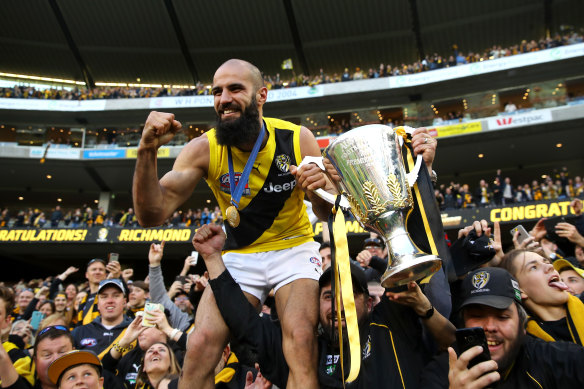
x=309 y=177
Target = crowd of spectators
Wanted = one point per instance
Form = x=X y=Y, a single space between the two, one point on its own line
x=86 y=216
x=496 y=192
x=501 y=191
x=278 y=81
x=134 y=331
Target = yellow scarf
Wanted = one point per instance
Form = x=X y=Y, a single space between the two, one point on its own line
x=574 y=319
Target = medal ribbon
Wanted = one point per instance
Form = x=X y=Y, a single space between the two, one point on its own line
x=343 y=289
x=238 y=191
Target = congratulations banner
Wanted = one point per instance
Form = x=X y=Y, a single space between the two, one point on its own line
x=512 y=213
x=97 y=235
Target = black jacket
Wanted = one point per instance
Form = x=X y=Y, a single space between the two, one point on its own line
x=95 y=337
x=392 y=345
x=538 y=365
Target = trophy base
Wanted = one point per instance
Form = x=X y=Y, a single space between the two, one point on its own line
x=411 y=268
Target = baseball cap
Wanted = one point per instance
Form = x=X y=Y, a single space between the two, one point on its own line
x=357 y=275
x=490 y=286
x=71 y=359
x=112 y=281
x=372 y=242
x=562 y=264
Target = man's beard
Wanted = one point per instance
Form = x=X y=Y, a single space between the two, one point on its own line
x=509 y=357
x=332 y=337
x=241 y=131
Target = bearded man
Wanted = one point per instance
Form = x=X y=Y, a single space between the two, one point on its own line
x=249 y=162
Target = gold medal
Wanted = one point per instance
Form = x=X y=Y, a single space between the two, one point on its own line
x=232 y=216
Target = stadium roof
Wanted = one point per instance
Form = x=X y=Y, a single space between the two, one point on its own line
x=182 y=41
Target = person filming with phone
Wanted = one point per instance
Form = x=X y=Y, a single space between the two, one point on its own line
x=491 y=300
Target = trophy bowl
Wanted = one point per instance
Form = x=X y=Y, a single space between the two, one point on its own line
x=372 y=175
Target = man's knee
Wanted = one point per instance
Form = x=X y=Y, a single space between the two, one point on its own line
x=300 y=335
x=204 y=342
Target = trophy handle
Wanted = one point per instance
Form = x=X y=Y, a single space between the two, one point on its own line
x=329 y=197
x=413 y=175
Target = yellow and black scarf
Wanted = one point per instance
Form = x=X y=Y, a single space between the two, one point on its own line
x=574 y=319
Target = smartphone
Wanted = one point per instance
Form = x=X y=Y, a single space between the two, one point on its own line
x=523 y=234
x=550 y=227
x=113 y=257
x=150 y=307
x=467 y=338
x=36 y=319
x=194 y=258
x=182 y=279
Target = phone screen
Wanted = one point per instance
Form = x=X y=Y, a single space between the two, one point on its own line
x=194 y=258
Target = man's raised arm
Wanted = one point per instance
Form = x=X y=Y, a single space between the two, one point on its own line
x=155 y=201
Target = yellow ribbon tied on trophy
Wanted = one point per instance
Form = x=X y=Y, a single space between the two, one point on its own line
x=342 y=278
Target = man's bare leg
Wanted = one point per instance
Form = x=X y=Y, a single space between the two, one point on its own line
x=206 y=344
x=297 y=305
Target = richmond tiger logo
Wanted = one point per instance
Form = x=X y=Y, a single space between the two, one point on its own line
x=481 y=279
x=283 y=162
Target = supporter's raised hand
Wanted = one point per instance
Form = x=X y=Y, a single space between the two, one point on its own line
x=479 y=376
x=127 y=274
x=413 y=298
x=497 y=245
x=209 y=241
x=188 y=283
x=174 y=289
x=527 y=244
x=202 y=282
x=70 y=270
x=570 y=232
x=538 y=231
x=159 y=129
x=259 y=383
x=364 y=258
x=423 y=143
x=480 y=227
x=576 y=205
x=130 y=335
x=159 y=318
x=24 y=331
x=42 y=290
x=155 y=254
x=114 y=269
x=186 y=266
x=134 y=330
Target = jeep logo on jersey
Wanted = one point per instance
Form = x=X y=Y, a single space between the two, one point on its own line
x=224 y=184
x=481 y=279
x=88 y=342
x=280 y=188
x=283 y=162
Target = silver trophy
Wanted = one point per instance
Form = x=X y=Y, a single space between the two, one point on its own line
x=376 y=188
